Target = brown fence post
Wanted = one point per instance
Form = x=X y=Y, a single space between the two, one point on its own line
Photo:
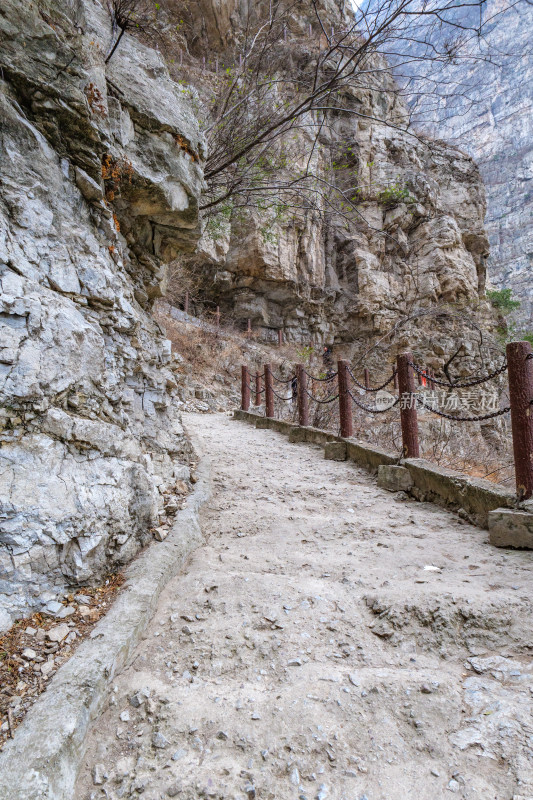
x=245 y=388
x=408 y=416
x=280 y=337
x=303 y=400
x=217 y=315
x=249 y=330
x=269 y=391
x=367 y=378
x=345 y=401
x=520 y=372
x=257 y=401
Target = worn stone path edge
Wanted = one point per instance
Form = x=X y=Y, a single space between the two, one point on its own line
x=42 y=761
x=477 y=497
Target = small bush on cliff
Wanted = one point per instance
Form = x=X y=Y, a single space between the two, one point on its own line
x=502 y=300
x=395 y=194
x=305 y=353
x=217 y=224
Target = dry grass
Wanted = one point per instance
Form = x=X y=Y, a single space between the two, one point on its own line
x=20 y=684
x=210 y=352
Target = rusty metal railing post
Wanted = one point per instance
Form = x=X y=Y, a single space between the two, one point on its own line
x=303 y=400
x=520 y=373
x=408 y=416
x=345 y=401
x=367 y=379
x=245 y=388
x=257 y=398
x=269 y=391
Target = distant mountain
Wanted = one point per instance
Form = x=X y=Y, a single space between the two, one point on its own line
x=487 y=110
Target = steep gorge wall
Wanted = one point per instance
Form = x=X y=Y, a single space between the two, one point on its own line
x=322 y=283
x=487 y=110
x=91 y=438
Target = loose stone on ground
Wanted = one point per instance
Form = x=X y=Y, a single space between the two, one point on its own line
x=307 y=652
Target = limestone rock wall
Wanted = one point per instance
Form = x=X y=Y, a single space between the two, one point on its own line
x=317 y=284
x=100 y=170
x=322 y=283
x=487 y=110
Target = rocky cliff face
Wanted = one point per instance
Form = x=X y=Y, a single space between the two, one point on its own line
x=489 y=115
x=100 y=174
x=316 y=284
x=417 y=239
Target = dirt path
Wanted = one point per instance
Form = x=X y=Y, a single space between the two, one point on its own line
x=307 y=652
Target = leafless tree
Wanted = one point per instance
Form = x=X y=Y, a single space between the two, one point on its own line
x=285 y=80
x=293 y=77
x=128 y=16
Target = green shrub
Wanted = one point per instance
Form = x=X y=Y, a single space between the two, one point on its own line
x=394 y=194
x=304 y=355
x=502 y=300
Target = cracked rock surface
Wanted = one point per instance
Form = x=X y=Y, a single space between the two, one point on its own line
x=307 y=652
x=95 y=196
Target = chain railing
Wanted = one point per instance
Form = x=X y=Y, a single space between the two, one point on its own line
x=455 y=418
x=374 y=410
x=408 y=397
x=366 y=387
x=454 y=385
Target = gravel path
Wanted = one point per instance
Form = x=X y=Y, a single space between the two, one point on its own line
x=308 y=651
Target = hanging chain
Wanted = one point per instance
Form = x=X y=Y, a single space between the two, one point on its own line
x=279 y=380
x=371 y=388
x=479 y=418
x=373 y=410
x=322 y=380
x=280 y=397
x=322 y=402
x=473 y=382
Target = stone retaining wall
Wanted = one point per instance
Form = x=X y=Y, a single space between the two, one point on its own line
x=473 y=497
